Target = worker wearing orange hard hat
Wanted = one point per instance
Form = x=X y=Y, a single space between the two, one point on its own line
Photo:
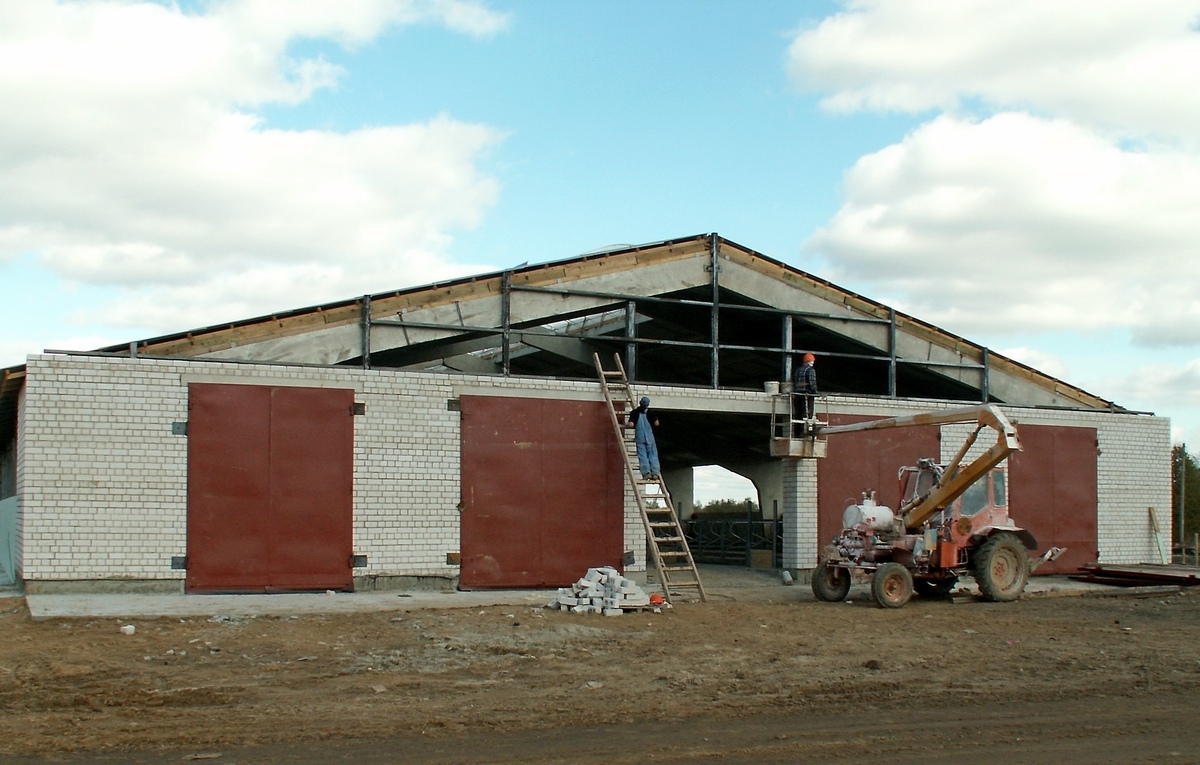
x=804 y=392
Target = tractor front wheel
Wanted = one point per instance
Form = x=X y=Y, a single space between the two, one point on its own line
x=830 y=583
x=1001 y=567
x=892 y=585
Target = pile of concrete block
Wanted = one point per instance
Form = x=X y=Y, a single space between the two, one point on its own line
x=602 y=591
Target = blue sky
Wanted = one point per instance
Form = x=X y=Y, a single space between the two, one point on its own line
x=1025 y=174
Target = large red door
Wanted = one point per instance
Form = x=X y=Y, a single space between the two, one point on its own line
x=864 y=461
x=270 y=488
x=542 y=492
x=1052 y=492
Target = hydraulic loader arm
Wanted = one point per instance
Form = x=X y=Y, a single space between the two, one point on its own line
x=956 y=478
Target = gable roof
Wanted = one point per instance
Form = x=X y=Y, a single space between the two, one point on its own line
x=670 y=300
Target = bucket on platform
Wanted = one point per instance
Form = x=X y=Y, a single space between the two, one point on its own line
x=771 y=386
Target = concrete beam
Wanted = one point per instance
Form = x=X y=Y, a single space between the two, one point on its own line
x=573 y=348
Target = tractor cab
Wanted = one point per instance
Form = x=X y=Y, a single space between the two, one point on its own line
x=982 y=505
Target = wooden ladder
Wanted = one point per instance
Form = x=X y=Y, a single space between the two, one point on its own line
x=668 y=547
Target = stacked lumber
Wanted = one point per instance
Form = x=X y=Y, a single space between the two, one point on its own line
x=1138 y=575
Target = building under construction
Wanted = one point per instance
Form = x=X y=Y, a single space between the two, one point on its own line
x=458 y=431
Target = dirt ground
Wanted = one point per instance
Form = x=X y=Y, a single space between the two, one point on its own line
x=777 y=678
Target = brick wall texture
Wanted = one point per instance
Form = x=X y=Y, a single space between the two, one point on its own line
x=102 y=481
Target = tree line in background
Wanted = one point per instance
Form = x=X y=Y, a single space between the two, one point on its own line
x=1185 y=482
x=728 y=508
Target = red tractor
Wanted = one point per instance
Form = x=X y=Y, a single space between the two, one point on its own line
x=953 y=520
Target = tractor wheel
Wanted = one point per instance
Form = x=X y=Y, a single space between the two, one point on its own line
x=1001 y=568
x=934 y=588
x=830 y=583
x=892 y=585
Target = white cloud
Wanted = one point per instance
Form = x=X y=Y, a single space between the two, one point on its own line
x=1068 y=203
x=1041 y=360
x=1172 y=385
x=13 y=352
x=711 y=482
x=275 y=22
x=1107 y=62
x=1019 y=223
x=130 y=156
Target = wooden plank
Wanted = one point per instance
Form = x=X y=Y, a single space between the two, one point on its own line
x=1140 y=574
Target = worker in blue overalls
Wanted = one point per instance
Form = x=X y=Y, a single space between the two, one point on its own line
x=643 y=438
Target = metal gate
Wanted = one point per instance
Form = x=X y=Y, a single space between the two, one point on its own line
x=542 y=492
x=270 y=485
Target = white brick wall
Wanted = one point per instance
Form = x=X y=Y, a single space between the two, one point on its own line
x=104 y=482
x=18 y=543
x=799 y=509
x=103 y=490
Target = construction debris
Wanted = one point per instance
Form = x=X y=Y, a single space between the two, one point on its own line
x=603 y=591
x=1139 y=575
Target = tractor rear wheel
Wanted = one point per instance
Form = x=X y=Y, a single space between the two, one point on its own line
x=1001 y=568
x=892 y=585
x=830 y=583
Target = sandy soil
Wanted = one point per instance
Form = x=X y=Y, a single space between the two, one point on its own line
x=768 y=679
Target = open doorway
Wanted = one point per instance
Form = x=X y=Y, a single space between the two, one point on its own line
x=727 y=525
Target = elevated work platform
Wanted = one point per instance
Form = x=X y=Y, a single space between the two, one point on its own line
x=793 y=438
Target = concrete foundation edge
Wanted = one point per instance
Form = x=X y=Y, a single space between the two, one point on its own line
x=373 y=583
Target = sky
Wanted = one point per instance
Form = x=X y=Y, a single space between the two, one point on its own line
x=1022 y=173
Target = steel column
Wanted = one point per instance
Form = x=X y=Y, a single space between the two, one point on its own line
x=715 y=333
x=786 y=344
x=630 y=335
x=366 y=331
x=891 y=353
x=984 y=384
x=505 y=326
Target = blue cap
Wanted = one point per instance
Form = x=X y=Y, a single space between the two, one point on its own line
x=645 y=401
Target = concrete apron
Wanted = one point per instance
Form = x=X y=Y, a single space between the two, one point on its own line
x=73 y=605
x=728 y=584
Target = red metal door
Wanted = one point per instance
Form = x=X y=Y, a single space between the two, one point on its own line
x=312 y=488
x=543 y=492
x=1052 y=492
x=228 y=486
x=863 y=461
x=270 y=485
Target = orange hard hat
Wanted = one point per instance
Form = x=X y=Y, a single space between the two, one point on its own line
x=657 y=599
x=809 y=357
